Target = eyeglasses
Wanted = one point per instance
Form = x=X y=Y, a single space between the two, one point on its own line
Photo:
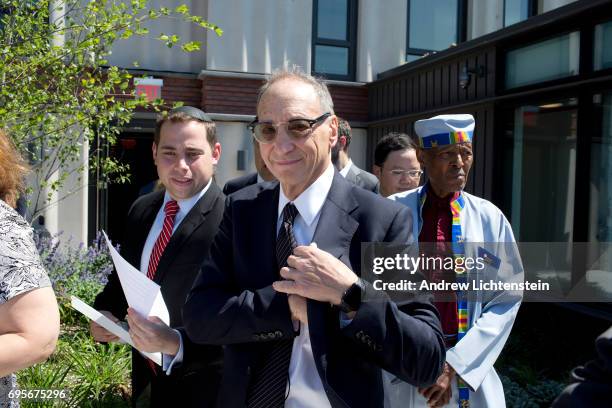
x=410 y=173
x=297 y=129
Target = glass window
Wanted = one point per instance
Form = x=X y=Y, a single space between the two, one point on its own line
x=540 y=170
x=334 y=41
x=332 y=16
x=603 y=46
x=432 y=25
x=331 y=60
x=516 y=11
x=600 y=216
x=543 y=61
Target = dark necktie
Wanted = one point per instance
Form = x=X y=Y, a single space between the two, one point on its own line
x=170 y=209
x=269 y=382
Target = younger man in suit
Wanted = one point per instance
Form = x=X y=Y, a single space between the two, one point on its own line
x=168 y=234
x=344 y=164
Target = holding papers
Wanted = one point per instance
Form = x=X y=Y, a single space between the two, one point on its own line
x=109 y=325
x=141 y=293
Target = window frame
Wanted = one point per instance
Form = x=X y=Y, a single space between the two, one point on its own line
x=504 y=51
x=461 y=29
x=350 y=43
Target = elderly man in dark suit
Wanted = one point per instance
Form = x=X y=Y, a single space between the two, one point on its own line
x=282 y=288
x=168 y=234
x=344 y=164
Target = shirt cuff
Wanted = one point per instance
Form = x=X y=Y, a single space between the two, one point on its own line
x=344 y=320
x=168 y=361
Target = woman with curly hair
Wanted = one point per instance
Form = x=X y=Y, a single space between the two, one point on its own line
x=29 y=318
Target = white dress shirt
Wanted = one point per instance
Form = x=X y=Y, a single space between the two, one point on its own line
x=185 y=206
x=305 y=386
x=346 y=168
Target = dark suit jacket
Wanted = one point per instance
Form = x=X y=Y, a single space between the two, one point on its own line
x=239 y=183
x=233 y=302
x=195 y=382
x=362 y=178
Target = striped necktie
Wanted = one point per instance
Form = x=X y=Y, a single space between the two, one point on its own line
x=170 y=209
x=269 y=382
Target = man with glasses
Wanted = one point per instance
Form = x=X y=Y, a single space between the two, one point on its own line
x=396 y=164
x=282 y=289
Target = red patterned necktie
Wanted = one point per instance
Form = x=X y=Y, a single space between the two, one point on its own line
x=170 y=209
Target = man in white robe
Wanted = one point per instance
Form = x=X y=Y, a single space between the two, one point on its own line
x=481 y=228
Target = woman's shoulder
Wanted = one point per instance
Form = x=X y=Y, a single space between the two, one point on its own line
x=20 y=266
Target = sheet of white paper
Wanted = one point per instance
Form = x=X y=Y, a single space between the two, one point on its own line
x=141 y=293
x=109 y=325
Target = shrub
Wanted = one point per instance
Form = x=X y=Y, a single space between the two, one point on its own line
x=79 y=271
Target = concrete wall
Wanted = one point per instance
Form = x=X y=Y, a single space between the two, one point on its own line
x=233 y=136
x=381 y=37
x=260 y=36
x=153 y=54
x=64 y=211
x=357 y=149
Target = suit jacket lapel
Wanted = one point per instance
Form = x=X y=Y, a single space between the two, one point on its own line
x=190 y=223
x=352 y=174
x=336 y=228
x=334 y=234
x=147 y=217
x=265 y=217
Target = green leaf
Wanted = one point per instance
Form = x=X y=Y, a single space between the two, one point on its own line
x=191 y=46
x=127 y=33
x=182 y=9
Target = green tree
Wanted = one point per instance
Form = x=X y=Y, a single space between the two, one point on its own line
x=58 y=92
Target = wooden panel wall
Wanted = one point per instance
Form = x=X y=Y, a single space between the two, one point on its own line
x=433 y=87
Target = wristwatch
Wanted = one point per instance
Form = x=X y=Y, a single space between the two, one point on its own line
x=351 y=299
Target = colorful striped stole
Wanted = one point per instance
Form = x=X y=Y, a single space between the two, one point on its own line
x=456 y=205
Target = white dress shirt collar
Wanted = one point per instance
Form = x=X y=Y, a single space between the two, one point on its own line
x=346 y=168
x=186 y=204
x=310 y=201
